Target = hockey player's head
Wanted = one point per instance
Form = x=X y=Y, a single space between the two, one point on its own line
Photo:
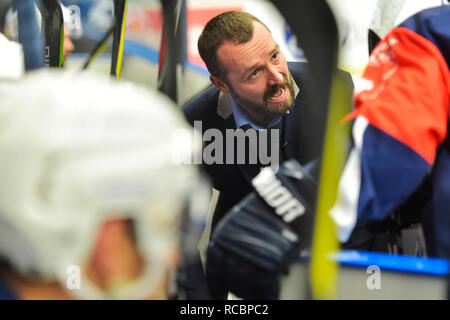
x=90 y=200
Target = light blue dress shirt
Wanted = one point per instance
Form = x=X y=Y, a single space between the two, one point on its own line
x=240 y=117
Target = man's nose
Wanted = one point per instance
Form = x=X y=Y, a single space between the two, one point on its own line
x=275 y=76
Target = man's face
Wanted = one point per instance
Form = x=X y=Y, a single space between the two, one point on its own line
x=257 y=75
x=117 y=261
x=114 y=262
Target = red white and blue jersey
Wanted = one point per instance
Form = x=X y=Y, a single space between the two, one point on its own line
x=400 y=130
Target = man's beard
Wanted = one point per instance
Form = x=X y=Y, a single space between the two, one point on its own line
x=267 y=110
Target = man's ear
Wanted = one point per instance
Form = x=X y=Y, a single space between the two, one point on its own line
x=222 y=86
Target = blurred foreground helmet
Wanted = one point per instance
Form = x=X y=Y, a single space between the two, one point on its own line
x=76 y=151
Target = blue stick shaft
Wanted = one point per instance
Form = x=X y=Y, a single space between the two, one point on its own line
x=29 y=36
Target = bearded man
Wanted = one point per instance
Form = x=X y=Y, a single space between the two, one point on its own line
x=255 y=90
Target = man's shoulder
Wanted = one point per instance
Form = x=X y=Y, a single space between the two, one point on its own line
x=298 y=67
x=203 y=105
x=301 y=68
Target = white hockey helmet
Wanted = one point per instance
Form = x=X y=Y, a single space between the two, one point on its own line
x=76 y=150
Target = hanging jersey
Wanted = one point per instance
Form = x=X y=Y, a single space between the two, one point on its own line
x=400 y=129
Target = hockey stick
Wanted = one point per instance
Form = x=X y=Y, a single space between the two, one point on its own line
x=29 y=36
x=323 y=269
x=173 y=50
x=313 y=24
x=315 y=27
x=53 y=23
x=172 y=54
x=100 y=47
x=120 y=16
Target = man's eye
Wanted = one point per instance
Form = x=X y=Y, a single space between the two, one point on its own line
x=254 y=74
x=275 y=55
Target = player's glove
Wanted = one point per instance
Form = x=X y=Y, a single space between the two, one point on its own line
x=262 y=234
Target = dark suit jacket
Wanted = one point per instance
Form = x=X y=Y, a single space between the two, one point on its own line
x=213 y=108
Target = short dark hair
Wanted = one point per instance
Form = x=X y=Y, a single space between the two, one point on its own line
x=233 y=26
